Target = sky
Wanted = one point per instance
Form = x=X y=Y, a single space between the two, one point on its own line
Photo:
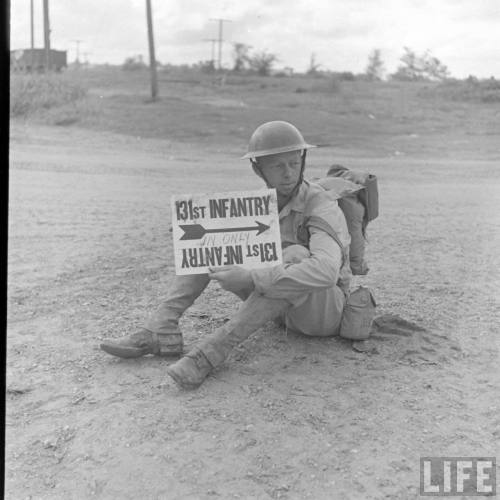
x=462 y=34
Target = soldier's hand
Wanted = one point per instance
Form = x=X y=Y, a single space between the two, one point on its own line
x=232 y=278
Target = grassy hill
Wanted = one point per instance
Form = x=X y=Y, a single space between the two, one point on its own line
x=373 y=118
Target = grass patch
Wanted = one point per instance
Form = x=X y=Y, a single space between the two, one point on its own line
x=376 y=117
x=34 y=93
x=471 y=89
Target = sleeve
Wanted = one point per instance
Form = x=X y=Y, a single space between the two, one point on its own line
x=318 y=271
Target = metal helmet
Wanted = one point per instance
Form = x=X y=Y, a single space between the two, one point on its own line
x=275 y=137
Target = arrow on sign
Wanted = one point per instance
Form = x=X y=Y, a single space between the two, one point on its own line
x=197 y=231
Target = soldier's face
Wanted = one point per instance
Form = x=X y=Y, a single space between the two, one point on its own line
x=282 y=170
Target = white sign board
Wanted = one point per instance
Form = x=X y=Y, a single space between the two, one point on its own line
x=221 y=229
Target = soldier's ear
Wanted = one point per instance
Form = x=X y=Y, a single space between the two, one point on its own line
x=256 y=168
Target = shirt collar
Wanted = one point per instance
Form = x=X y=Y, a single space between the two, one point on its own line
x=298 y=202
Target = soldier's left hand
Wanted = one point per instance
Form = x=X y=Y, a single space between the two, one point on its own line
x=232 y=278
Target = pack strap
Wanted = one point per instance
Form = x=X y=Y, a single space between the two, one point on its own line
x=323 y=225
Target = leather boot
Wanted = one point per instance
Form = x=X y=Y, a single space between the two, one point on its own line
x=161 y=334
x=164 y=322
x=190 y=371
x=256 y=311
x=133 y=346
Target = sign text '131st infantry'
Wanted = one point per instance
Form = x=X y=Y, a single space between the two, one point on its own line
x=213 y=230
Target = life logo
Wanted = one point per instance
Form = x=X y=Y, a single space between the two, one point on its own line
x=457 y=476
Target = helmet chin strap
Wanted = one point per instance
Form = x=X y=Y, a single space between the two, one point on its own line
x=295 y=190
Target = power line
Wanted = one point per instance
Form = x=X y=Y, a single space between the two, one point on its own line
x=221 y=23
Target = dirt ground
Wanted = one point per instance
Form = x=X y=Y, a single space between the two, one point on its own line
x=287 y=416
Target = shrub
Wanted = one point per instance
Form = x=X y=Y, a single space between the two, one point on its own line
x=240 y=56
x=134 y=63
x=206 y=66
x=34 y=92
x=320 y=85
x=470 y=89
x=262 y=62
x=347 y=76
x=375 y=67
x=423 y=67
x=490 y=90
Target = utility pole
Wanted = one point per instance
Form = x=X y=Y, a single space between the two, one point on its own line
x=77 y=60
x=32 y=11
x=46 y=34
x=152 y=57
x=221 y=22
x=213 y=40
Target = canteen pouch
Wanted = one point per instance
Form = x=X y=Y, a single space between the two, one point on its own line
x=369 y=198
x=359 y=311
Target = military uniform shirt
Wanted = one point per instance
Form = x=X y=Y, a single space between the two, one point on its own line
x=324 y=266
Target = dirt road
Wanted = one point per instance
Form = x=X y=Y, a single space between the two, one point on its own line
x=287 y=416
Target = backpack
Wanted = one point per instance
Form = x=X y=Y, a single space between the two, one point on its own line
x=357 y=196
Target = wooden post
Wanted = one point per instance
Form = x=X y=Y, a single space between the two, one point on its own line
x=213 y=52
x=220 y=44
x=212 y=59
x=220 y=39
x=32 y=37
x=46 y=34
x=152 y=58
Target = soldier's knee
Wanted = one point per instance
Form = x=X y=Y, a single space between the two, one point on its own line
x=293 y=254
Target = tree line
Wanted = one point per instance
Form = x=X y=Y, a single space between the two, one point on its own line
x=412 y=66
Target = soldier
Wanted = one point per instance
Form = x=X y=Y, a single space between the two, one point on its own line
x=307 y=292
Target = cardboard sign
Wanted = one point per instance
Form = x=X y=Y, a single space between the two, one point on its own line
x=214 y=230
